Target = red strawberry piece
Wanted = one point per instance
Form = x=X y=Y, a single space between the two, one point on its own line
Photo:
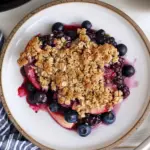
x=59 y=118
x=30 y=72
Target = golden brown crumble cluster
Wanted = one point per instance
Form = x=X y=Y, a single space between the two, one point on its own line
x=76 y=72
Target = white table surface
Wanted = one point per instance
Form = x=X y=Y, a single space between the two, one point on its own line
x=138 y=10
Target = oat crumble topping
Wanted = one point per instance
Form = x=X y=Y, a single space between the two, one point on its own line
x=76 y=73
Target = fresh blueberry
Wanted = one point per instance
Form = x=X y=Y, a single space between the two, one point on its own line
x=58 y=26
x=91 y=34
x=72 y=34
x=114 y=44
x=71 y=116
x=30 y=87
x=86 y=24
x=100 y=37
x=107 y=41
x=59 y=34
x=84 y=130
x=118 y=80
x=108 y=117
x=122 y=49
x=125 y=89
x=40 y=97
x=100 y=32
x=128 y=70
x=46 y=40
x=54 y=107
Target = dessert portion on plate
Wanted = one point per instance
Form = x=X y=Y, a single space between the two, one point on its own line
x=76 y=74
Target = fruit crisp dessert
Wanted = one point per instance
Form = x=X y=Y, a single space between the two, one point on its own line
x=76 y=74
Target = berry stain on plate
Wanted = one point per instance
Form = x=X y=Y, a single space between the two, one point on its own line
x=80 y=76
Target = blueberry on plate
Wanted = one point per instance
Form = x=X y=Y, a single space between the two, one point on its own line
x=58 y=26
x=71 y=116
x=122 y=49
x=23 y=72
x=86 y=24
x=72 y=34
x=108 y=117
x=59 y=34
x=91 y=119
x=68 y=38
x=91 y=34
x=100 y=32
x=125 y=89
x=128 y=70
x=114 y=44
x=30 y=87
x=84 y=130
x=54 y=107
x=40 y=97
x=107 y=41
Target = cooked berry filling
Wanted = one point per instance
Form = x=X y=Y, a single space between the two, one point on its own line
x=77 y=74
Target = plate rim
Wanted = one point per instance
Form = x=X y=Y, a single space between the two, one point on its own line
x=48 y=5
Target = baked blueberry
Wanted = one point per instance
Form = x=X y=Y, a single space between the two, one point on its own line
x=108 y=117
x=114 y=44
x=84 y=130
x=122 y=49
x=87 y=24
x=91 y=34
x=100 y=32
x=58 y=26
x=107 y=41
x=72 y=34
x=30 y=99
x=40 y=97
x=30 y=87
x=128 y=70
x=100 y=40
x=71 y=116
x=54 y=107
x=112 y=39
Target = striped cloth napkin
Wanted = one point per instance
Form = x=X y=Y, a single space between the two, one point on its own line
x=10 y=138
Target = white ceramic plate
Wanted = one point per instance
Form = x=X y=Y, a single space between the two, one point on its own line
x=40 y=128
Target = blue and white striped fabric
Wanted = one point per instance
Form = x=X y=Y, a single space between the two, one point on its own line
x=10 y=138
